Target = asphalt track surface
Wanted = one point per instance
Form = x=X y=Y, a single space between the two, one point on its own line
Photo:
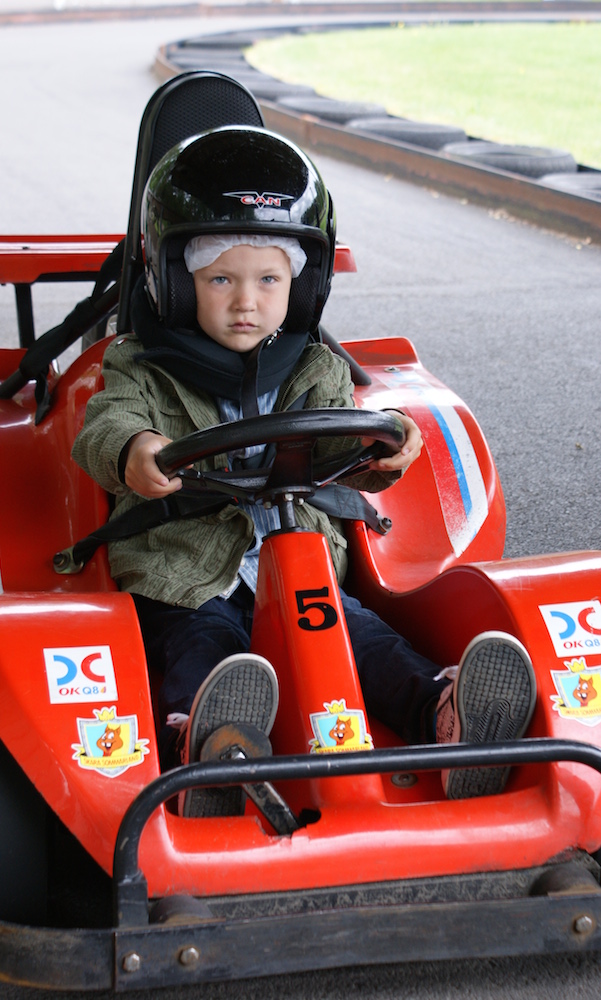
x=504 y=313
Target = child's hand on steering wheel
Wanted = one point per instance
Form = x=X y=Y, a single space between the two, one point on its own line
x=407 y=454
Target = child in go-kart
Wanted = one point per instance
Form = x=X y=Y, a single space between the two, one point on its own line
x=239 y=241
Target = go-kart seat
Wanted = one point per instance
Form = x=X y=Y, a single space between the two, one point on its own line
x=184 y=106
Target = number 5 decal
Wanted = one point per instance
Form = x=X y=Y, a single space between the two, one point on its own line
x=305 y=601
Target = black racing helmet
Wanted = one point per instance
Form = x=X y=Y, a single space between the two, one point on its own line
x=236 y=179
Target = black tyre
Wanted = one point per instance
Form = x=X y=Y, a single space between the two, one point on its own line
x=530 y=161
x=275 y=90
x=23 y=846
x=228 y=40
x=268 y=87
x=426 y=134
x=214 y=61
x=202 y=53
x=331 y=110
x=583 y=183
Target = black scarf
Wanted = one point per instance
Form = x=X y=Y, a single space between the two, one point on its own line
x=192 y=357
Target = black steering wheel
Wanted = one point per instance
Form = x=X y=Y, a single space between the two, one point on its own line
x=293 y=473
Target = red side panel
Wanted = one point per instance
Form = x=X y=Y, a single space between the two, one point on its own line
x=48 y=502
x=449 y=508
x=74 y=673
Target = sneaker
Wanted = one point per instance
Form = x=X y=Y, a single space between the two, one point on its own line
x=491 y=699
x=242 y=688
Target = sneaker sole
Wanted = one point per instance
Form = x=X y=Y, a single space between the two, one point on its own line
x=242 y=688
x=495 y=697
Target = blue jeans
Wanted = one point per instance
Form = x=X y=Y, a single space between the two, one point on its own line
x=184 y=645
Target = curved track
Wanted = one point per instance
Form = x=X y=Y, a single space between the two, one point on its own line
x=562 y=211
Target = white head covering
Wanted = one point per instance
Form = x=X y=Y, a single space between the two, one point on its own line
x=203 y=250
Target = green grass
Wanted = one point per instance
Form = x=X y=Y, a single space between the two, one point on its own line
x=532 y=84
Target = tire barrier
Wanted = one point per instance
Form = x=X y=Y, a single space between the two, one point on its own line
x=530 y=161
x=429 y=135
x=546 y=186
x=586 y=184
x=330 y=109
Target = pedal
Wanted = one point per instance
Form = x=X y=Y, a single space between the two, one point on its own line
x=242 y=741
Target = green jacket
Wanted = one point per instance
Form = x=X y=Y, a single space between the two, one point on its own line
x=187 y=562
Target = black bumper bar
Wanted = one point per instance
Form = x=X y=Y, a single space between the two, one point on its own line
x=553 y=909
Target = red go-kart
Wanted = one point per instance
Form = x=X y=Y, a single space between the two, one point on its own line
x=348 y=852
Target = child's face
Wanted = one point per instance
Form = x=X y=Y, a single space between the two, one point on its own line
x=242 y=297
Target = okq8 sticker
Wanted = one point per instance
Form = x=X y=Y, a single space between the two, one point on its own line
x=575 y=627
x=80 y=673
